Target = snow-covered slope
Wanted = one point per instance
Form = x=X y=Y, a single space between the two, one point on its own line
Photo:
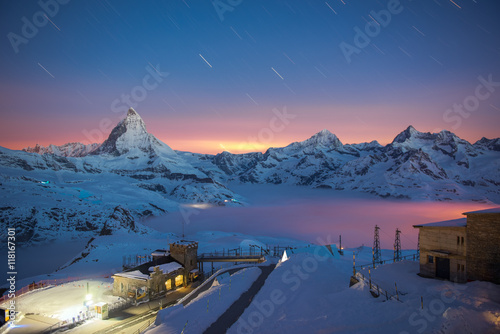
x=416 y=165
x=74 y=189
x=130 y=176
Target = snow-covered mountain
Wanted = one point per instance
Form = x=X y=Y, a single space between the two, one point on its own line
x=66 y=150
x=416 y=165
x=130 y=176
x=76 y=190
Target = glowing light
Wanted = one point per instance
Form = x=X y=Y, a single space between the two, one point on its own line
x=199 y=205
x=179 y=280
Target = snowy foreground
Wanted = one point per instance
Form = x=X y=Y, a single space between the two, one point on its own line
x=207 y=307
x=310 y=293
x=63 y=302
x=307 y=293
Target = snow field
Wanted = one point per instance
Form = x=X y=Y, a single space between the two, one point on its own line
x=65 y=301
x=199 y=314
x=306 y=294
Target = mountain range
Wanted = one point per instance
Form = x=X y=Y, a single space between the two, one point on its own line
x=82 y=190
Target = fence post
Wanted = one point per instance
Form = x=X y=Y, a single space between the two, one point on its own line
x=397 y=295
x=422 y=302
x=353 y=264
x=370 y=278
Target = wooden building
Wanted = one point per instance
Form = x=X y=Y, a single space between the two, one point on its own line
x=167 y=271
x=462 y=249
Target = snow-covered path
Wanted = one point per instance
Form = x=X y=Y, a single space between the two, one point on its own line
x=232 y=314
x=198 y=315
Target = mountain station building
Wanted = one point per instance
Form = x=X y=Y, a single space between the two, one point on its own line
x=462 y=250
x=167 y=271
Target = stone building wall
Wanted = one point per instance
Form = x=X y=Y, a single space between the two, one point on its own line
x=186 y=253
x=447 y=243
x=483 y=247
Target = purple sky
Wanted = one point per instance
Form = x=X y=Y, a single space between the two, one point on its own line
x=206 y=80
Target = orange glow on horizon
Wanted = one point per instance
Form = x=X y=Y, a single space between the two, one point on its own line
x=218 y=146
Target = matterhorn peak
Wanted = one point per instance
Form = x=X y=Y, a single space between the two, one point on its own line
x=130 y=135
x=132 y=112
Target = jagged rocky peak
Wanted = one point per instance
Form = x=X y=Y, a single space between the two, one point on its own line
x=65 y=150
x=131 y=135
x=35 y=149
x=447 y=136
x=373 y=145
x=323 y=138
x=405 y=135
x=489 y=144
x=412 y=133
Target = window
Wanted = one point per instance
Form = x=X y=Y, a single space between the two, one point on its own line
x=179 y=280
x=430 y=259
x=463 y=267
x=462 y=241
x=458 y=267
x=458 y=240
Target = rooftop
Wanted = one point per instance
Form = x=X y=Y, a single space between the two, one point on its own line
x=136 y=274
x=461 y=222
x=142 y=271
x=160 y=252
x=167 y=268
x=493 y=210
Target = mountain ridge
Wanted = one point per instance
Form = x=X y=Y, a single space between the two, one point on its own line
x=48 y=193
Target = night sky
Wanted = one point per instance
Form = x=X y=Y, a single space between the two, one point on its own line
x=208 y=76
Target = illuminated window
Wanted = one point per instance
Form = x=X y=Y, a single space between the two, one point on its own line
x=179 y=279
x=168 y=284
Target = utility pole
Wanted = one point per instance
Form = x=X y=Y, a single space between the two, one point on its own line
x=377 y=256
x=397 y=246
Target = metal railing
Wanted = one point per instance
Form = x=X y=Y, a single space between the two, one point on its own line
x=376 y=289
x=412 y=257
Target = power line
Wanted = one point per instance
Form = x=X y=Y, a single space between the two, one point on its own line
x=377 y=255
x=397 y=246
